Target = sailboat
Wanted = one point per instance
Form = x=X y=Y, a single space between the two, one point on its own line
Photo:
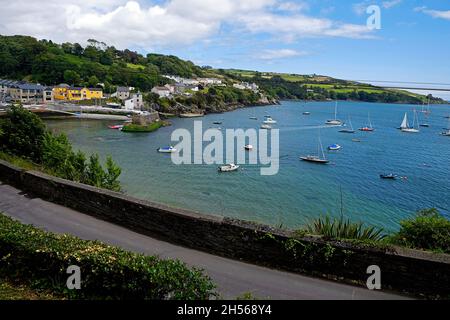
x=351 y=130
x=427 y=113
x=335 y=121
x=368 y=128
x=405 y=124
x=317 y=159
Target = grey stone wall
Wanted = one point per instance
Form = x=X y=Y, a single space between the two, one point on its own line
x=403 y=270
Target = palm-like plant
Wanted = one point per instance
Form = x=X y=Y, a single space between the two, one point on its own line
x=334 y=228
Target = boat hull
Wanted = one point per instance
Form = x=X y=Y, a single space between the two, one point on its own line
x=316 y=161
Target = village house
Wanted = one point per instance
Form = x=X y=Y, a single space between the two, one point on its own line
x=66 y=93
x=135 y=103
x=27 y=93
x=162 y=92
x=122 y=93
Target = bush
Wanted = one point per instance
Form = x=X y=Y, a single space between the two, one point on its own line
x=22 y=134
x=429 y=230
x=40 y=259
x=53 y=152
x=333 y=228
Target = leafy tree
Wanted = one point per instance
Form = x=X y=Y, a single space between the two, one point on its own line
x=72 y=77
x=93 y=81
x=95 y=174
x=22 y=134
x=112 y=175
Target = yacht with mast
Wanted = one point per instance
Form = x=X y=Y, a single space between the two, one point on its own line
x=316 y=158
x=335 y=121
x=346 y=130
x=405 y=127
x=369 y=127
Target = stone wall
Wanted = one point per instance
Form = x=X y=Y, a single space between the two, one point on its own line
x=403 y=270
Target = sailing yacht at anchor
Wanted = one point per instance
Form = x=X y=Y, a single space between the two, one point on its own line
x=405 y=124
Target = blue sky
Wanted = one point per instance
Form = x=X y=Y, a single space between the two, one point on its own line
x=327 y=37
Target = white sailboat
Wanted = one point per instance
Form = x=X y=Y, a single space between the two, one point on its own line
x=335 y=121
x=405 y=124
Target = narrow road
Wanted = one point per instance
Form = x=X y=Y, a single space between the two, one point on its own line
x=233 y=278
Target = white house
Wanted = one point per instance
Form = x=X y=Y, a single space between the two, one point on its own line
x=135 y=103
x=162 y=92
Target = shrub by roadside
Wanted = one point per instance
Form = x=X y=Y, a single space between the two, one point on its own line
x=40 y=259
x=429 y=230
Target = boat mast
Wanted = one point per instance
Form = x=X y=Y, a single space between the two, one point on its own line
x=336 y=111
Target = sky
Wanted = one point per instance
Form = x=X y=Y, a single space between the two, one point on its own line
x=327 y=37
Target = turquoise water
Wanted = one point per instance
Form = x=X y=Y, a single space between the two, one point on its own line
x=300 y=191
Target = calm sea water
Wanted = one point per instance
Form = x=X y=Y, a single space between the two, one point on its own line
x=301 y=191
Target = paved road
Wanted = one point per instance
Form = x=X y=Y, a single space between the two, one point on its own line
x=232 y=277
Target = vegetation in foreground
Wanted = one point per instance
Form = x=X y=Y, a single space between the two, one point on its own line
x=23 y=135
x=37 y=261
x=14 y=291
x=428 y=230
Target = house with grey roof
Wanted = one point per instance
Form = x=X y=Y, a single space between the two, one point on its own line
x=122 y=93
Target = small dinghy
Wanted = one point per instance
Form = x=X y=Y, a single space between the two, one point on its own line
x=117 y=127
x=167 y=150
x=334 y=147
x=228 y=168
x=390 y=176
x=248 y=147
x=269 y=121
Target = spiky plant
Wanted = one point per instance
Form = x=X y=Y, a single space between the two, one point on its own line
x=340 y=228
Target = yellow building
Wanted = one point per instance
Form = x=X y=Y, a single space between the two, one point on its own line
x=67 y=93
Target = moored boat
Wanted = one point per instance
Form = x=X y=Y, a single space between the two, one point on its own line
x=269 y=121
x=316 y=158
x=169 y=149
x=266 y=127
x=228 y=168
x=335 y=121
x=368 y=128
x=335 y=147
x=389 y=176
x=248 y=147
x=116 y=127
x=405 y=127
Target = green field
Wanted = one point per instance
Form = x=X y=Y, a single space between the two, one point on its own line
x=319 y=81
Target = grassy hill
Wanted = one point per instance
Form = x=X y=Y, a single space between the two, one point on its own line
x=319 y=87
x=26 y=58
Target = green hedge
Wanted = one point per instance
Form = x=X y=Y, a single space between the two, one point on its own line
x=40 y=259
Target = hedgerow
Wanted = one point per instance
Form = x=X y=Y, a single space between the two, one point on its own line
x=40 y=259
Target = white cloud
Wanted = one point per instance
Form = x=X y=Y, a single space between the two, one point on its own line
x=391 y=4
x=280 y=54
x=293 y=6
x=434 y=13
x=169 y=23
x=301 y=26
